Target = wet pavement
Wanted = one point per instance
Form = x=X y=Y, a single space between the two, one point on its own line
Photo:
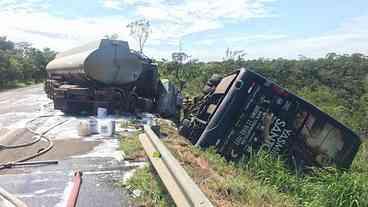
x=97 y=157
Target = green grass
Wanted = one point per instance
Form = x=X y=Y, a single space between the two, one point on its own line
x=330 y=189
x=151 y=190
x=323 y=188
x=224 y=183
x=265 y=180
x=131 y=147
x=240 y=186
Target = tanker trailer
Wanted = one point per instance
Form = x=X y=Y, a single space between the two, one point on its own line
x=104 y=73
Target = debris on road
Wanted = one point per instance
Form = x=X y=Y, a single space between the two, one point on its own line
x=97 y=156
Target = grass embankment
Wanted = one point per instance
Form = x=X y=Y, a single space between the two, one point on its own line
x=145 y=183
x=262 y=181
x=131 y=147
x=224 y=183
x=265 y=181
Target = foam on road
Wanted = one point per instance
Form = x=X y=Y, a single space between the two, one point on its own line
x=97 y=157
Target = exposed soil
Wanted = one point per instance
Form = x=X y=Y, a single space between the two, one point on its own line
x=197 y=167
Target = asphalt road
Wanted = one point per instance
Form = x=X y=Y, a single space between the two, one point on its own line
x=97 y=157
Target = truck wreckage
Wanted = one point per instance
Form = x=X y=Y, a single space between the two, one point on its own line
x=238 y=114
x=107 y=74
x=244 y=112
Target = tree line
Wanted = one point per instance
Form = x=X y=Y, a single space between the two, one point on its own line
x=338 y=84
x=22 y=63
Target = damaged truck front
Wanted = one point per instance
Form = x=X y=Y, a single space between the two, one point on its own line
x=244 y=112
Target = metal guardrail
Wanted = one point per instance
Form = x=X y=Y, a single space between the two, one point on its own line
x=180 y=186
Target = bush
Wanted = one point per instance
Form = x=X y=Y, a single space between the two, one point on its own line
x=20 y=63
x=328 y=188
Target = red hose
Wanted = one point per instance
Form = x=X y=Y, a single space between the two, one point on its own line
x=73 y=196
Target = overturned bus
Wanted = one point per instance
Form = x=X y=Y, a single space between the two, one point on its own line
x=243 y=112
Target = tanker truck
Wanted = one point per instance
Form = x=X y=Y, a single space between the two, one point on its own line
x=108 y=74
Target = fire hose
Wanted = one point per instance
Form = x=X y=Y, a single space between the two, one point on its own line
x=11 y=198
x=73 y=196
x=77 y=180
x=39 y=136
x=22 y=161
x=32 y=131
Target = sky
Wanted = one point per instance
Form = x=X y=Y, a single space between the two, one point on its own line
x=203 y=28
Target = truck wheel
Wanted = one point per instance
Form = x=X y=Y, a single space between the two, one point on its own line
x=212 y=83
x=207 y=89
x=185 y=129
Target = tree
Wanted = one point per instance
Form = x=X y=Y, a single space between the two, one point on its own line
x=179 y=58
x=113 y=36
x=22 y=63
x=6 y=44
x=23 y=48
x=234 y=54
x=140 y=31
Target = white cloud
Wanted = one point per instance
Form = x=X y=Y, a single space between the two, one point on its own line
x=24 y=6
x=174 y=19
x=112 y=4
x=235 y=40
x=179 y=18
x=189 y=10
x=155 y=13
x=44 y=30
x=30 y=20
x=350 y=37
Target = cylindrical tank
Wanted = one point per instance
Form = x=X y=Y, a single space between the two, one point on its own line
x=106 y=61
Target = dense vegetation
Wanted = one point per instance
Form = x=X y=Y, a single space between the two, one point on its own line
x=22 y=64
x=338 y=84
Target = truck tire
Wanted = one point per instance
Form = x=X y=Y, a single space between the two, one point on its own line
x=185 y=128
